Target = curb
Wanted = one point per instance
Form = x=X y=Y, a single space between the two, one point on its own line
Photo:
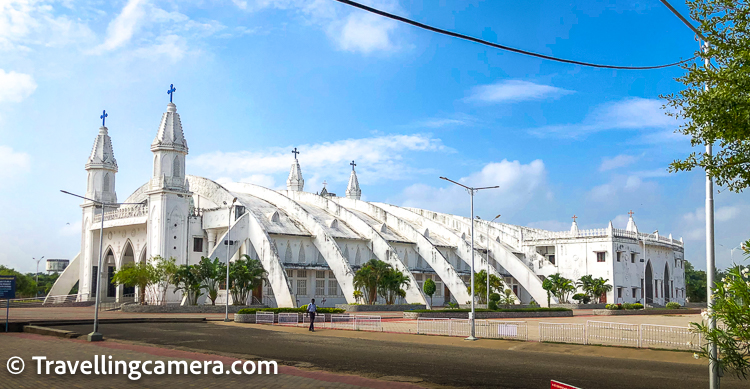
x=50 y=332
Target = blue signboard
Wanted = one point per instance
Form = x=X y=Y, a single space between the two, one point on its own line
x=7 y=287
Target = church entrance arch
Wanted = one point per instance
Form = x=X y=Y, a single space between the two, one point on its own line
x=124 y=292
x=109 y=267
x=649 y=283
x=667 y=295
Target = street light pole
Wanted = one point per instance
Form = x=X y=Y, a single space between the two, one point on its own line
x=713 y=366
x=471 y=194
x=37 y=274
x=95 y=336
x=228 y=243
x=487 y=256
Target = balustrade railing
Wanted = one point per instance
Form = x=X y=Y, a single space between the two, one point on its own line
x=123 y=212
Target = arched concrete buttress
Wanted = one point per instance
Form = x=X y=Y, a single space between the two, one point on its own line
x=425 y=248
x=67 y=279
x=324 y=242
x=463 y=249
x=507 y=259
x=258 y=236
x=380 y=246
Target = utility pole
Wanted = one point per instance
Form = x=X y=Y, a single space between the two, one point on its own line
x=228 y=243
x=471 y=194
x=37 y=274
x=713 y=366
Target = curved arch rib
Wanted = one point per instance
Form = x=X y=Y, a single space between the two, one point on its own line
x=67 y=279
x=506 y=258
x=258 y=236
x=380 y=246
x=324 y=242
x=425 y=248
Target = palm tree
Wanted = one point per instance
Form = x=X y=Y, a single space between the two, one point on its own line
x=600 y=288
x=367 y=278
x=561 y=287
x=245 y=274
x=391 y=283
x=480 y=285
x=586 y=284
x=549 y=286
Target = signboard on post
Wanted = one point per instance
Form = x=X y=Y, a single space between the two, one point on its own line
x=7 y=292
x=560 y=385
x=7 y=287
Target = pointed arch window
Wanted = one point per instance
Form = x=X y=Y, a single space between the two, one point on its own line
x=105 y=184
x=176 y=168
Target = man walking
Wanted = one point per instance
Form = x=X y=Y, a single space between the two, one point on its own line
x=311 y=310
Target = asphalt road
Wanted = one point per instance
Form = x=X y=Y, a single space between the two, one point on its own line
x=453 y=366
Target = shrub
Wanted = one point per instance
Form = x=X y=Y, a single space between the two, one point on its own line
x=613 y=307
x=499 y=310
x=673 y=305
x=636 y=306
x=492 y=305
x=495 y=297
x=627 y=306
x=533 y=303
x=452 y=305
x=579 y=297
x=250 y=311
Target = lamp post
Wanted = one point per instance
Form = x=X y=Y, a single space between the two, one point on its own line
x=95 y=336
x=487 y=255
x=471 y=194
x=37 y=274
x=713 y=366
x=228 y=243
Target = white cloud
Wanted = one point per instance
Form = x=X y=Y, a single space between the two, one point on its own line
x=263 y=180
x=727 y=213
x=15 y=87
x=13 y=163
x=633 y=113
x=351 y=29
x=609 y=163
x=122 y=28
x=624 y=190
x=513 y=91
x=519 y=183
x=377 y=158
x=172 y=46
x=25 y=23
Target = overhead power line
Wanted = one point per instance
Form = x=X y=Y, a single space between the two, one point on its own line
x=502 y=47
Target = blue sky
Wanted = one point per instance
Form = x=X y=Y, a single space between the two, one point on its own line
x=256 y=78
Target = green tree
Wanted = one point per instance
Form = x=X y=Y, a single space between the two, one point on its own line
x=600 y=288
x=586 y=285
x=720 y=114
x=548 y=286
x=367 y=279
x=245 y=274
x=507 y=298
x=358 y=296
x=164 y=270
x=696 y=283
x=731 y=308
x=391 y=284
x=561 y=287
x=211 y=273
x=187 y=280
x=429 y=288
x=139 y=275
x=480 y=285
x=25 y=284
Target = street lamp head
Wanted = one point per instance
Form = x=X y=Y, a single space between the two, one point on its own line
x=498 y=216
x=234 y=200
x=478 y=218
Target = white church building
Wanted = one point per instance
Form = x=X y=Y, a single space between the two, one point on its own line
x=311 y=244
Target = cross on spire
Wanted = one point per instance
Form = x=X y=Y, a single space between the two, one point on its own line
x=353 y=165
x=324 y=184
x=103 y=117
x=171 y=91
x=574 y=218
x=631 y=213
x=295 y=152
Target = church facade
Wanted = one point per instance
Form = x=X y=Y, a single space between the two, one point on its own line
x=311 y=244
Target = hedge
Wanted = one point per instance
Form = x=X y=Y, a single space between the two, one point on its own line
x=250 y=311
x=494 y=310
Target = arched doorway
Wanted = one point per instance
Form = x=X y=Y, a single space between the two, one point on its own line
x=109 y=267
x=665 y=285
x=649 y=284
x=126 y=293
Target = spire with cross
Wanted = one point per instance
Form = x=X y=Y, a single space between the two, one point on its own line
x=103 y=117
x=631 y=213
x=171 y=91
x=353 y=165
x=352 y=190
x=574 y=218
x=295 y=152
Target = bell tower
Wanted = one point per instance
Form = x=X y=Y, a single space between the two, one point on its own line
x=102 y=167
x=168 y=192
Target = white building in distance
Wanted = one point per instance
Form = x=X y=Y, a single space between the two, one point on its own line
x=311 y=244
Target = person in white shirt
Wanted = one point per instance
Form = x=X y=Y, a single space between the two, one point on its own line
x=312 y=309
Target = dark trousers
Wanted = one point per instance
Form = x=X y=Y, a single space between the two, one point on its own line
x=312 y=321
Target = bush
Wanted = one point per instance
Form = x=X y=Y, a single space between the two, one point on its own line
x=492 y=305
x=499 y=310
x=627 y=306
x=673 y=305
x=613 y=307
x=495 y=297
x=636 y=306
x=452 y=305
x=579 y=298
x=533 y=303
